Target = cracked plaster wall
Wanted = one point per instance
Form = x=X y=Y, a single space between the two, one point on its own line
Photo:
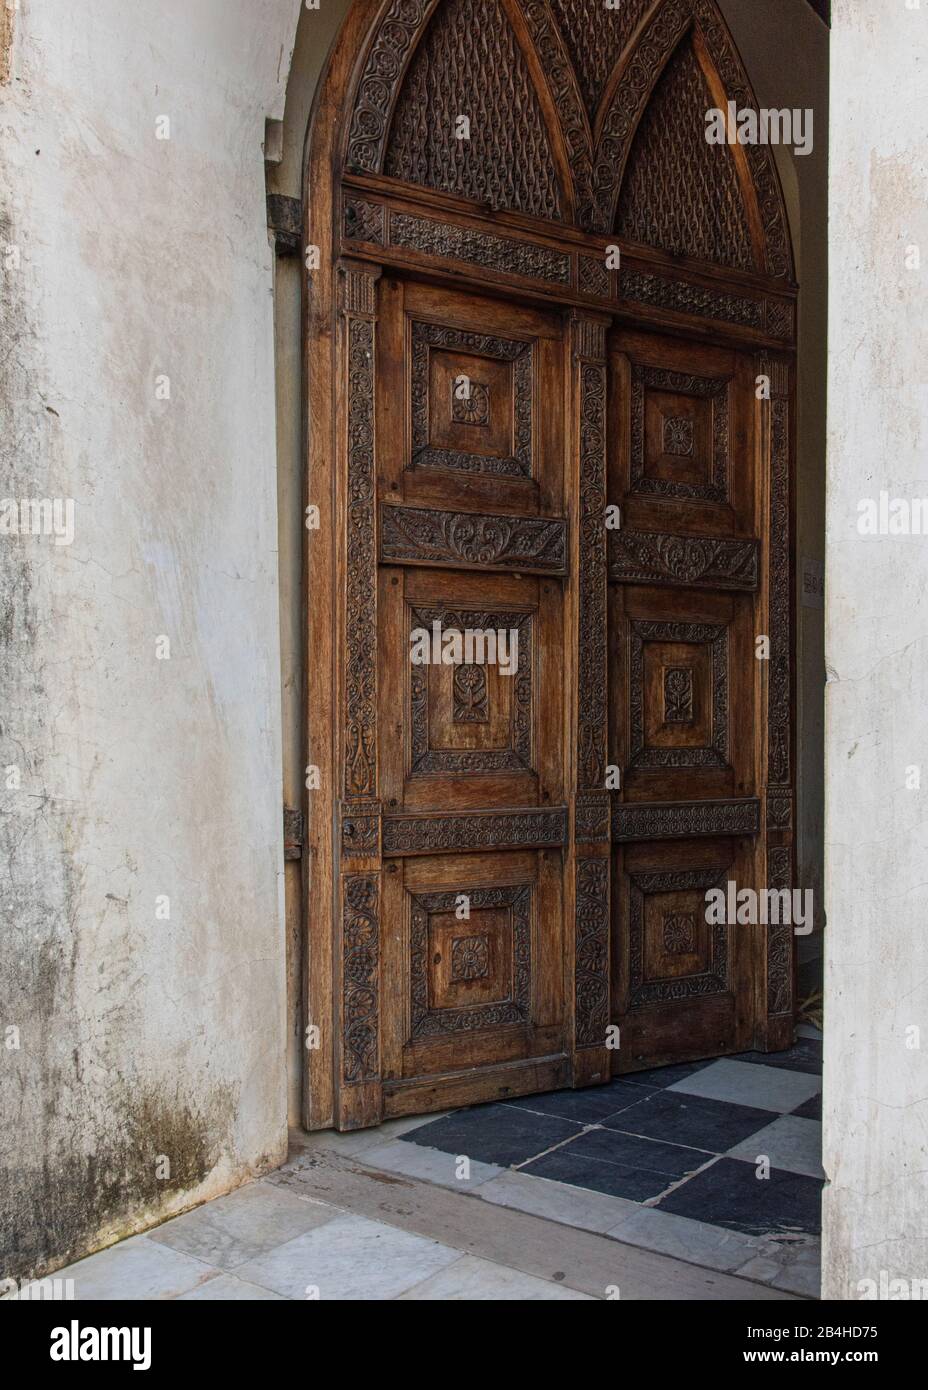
x=140 y=1039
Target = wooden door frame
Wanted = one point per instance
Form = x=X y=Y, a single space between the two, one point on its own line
x=363 y=223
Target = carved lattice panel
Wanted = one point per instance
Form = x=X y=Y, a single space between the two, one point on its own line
x=681 y=194
x=595 y=37
x=469 y=64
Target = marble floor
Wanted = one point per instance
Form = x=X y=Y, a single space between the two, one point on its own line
x=694 y=1182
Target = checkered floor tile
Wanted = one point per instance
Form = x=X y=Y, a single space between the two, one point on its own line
x=732 y=1144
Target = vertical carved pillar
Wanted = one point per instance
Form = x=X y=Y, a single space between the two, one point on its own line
x=779 y=801
x=591 y=847
x=359 y=1091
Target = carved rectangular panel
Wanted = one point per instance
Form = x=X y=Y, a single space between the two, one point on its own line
x=695 y=561
x=472 y=401
x=473 y=973
x=678 y=695
x=680 y=445
x=673 y=953
x=474 y=831
x=685 y=820
x=473 y=540
x=472 y=717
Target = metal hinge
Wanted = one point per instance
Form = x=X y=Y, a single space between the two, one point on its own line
x=293 y=833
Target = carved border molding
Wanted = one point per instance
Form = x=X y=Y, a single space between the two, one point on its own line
x=679 y=820
x=571 y=112
x=472 y=540
x=780 y=937
x=696 y=561
x=488 y=250
x=630 y=98
x=358 y=298
x=430 y=1022
x=683 y=297
x=360 y=978
x=591 y=967
x=589 y=351
x=780 y=617
x=715 y=980
x=386 y=62
x=592 y=817
x=470 y=831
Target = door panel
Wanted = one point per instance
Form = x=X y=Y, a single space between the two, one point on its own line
x=685 y=694
x=473 y=539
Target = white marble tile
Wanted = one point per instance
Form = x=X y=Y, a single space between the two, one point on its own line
x=138 y=1268
x=791 y=1143
x=232 y=1229
x=697 y=1242
x=750 y=1083
x=356 y=1141
x=349 y=1258
x=471 y=1279
x=228 y=1288
x=571 y=1206
x=432 y=1165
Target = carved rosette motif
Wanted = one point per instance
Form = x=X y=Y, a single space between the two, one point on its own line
x=714 y=754
x=425 y=536
x=591 y=971
x=360 y=979
x=714 y=980
x=470 y=831
x=517 y=352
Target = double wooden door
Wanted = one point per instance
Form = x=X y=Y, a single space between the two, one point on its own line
x=553 y=808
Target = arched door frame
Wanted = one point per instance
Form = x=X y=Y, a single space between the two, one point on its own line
x=359 y=222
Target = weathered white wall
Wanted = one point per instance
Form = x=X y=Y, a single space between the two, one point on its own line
x=876 y=1086
x=138 y=1037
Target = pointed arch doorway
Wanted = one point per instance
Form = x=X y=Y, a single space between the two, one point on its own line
x=540 y=295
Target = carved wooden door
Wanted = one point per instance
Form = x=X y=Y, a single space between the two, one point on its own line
x=686 y=693
x=536 y=292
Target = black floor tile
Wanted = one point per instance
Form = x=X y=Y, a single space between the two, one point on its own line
x=632 y=1151
x=658 y=1078
x=810 y=1109
x=805 y=1055
x=587 y=1107
x=616 y=1180
x=500 y=1134
x=694 y=1121
x=730 y=1194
